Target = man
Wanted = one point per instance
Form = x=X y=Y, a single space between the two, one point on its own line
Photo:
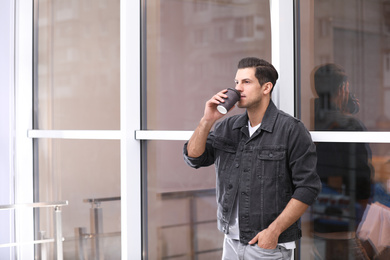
x=265 y=164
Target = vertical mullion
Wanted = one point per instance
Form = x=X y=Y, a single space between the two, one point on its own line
x=23 y=158
x=7 y=25
x=282 y=34
x=130 y=82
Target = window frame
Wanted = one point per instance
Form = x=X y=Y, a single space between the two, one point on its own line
x=131 y=133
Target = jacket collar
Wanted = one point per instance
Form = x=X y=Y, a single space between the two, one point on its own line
x=268 y=120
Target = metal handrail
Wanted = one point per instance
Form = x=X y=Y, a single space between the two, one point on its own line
x=41 y=241
x=57 y=219
x=99 y=200
x=35 y=205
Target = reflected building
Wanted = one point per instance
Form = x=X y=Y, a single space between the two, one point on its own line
x=76 y=87
x=356 y=35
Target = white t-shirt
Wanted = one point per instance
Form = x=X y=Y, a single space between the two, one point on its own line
x=234 y=230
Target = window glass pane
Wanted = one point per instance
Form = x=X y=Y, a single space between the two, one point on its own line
x=77 y=64
x=344 y=87
x=354 y=36
x=192 y=50
x=349 y=215
x=76 y=171
x=181 y=206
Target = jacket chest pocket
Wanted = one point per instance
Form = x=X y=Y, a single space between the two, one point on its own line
x=225 y=151
x=270 y=164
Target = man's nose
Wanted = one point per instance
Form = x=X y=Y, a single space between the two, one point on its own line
x=239 y=87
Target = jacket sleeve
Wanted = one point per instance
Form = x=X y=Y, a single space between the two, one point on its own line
x=206 y=159
x=303 y=164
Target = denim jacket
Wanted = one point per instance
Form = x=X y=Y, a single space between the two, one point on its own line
x=266 y=170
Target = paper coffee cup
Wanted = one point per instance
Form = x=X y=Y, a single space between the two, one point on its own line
x=233 y=96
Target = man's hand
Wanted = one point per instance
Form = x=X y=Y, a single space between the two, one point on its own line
x=211 y=114
x=266 y=239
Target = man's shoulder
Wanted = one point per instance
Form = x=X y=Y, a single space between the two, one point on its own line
x=285 y=117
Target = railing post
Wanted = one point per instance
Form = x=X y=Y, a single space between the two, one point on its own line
x=43 y=247
x=58 y=233
x=193 y=244
x=96 y=220
x=97 y=229
x=81 y=249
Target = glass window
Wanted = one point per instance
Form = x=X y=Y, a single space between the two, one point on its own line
x=81 y=172
x=77 y=65
x=354 y=37
x=181 y=206
x=76 y=87
x=345 y=87
x=192 y=50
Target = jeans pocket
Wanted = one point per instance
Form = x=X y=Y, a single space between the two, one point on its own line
x=256 y=252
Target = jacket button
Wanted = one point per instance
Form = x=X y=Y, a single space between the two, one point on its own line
x=230 y=186
x=225 y=210
x=271 y=155
x=237 y=165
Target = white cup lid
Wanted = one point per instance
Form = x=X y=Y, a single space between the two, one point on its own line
x=221 y=109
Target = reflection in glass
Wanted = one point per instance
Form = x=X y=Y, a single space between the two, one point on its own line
x=193 y=48
x=359 y=41
x=181 y=206
x=76 y=64
x=345 y=87
x=344 y=168
x=78 y=170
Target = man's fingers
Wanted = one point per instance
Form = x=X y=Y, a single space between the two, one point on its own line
x=253 y=241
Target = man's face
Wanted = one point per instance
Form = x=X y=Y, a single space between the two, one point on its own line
x=249 y=87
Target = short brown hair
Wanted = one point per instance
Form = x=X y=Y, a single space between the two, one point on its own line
x=265 y=71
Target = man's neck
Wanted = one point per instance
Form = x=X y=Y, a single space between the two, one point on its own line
x=256 y=114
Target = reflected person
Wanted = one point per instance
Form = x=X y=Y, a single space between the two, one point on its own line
x=344 y=168
x=265 y=164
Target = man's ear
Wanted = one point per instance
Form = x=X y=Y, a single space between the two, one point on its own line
x=268 y=87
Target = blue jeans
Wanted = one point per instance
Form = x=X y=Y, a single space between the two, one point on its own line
x=234 y=250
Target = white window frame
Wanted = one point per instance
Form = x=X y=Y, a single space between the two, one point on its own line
x=130 y=82
x=23 y=156
x=7 y=27
x=130 y=134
